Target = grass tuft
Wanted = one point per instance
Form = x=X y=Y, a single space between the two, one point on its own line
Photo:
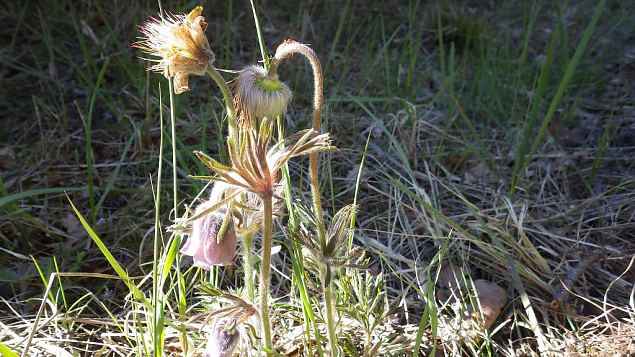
x=494 y=140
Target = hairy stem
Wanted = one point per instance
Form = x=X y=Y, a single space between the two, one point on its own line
x=284 y=51
x=330 y=311
x=248 y=265
x=227 y=97
x=265 y=272
x=181 y=284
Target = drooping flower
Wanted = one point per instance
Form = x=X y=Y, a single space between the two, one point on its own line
x=179 y=46
x=213 y=239
x=227 y=330
x=258 y=95
x=222 y=339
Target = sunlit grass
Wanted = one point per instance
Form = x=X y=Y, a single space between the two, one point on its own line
x=453 y=127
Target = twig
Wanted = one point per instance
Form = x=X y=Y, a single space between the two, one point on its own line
x=561 y=294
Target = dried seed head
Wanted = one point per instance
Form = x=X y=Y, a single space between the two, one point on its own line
x=222 y=340
x=211 y=242
x=180 y=46
x=258 y=95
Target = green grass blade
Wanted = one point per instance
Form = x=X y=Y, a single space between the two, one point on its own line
x=43 y=278
x=41 y=191
x=261 y=39
x=357 y=181
x=228 y=32
x=6 y=351
x=169 y=259
x=422 y=328
x=597 y=160
x=414 y=42
x=89 y=143
x=109 y=257
x=536 y=102
x=564 y=83
x=115 y=173
x=59 y=282
x=338 y=33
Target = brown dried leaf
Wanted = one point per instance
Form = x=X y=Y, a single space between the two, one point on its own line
x=491 y=298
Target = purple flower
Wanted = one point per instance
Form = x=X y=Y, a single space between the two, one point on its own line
x=222 y=340
x=204 y=244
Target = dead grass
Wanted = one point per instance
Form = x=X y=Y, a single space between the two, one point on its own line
x=433 y=190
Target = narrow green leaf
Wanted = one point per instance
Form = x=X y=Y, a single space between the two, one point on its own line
x=115 y=172
x=111 y=259
x=564 y=83
x=42 y=191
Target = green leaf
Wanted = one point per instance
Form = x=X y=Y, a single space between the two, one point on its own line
x=210 y=161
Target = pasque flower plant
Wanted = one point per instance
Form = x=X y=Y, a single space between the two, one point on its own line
x=246 y=194
x=255 y=169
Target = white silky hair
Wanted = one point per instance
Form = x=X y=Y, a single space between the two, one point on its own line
x=255 y=102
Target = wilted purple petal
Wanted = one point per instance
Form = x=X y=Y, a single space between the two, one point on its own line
x=203 y=244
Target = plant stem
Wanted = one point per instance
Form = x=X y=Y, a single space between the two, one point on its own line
x=227 y=97
x=265 y=271
x=330 y=311
x=157 y=293
x=181 y=282
x=173 y=131
x=248 y=265
x=284 y=51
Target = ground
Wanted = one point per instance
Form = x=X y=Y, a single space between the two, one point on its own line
x=493 y=138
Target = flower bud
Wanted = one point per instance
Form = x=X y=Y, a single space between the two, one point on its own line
x=205 y=245
x=258 y=95
x=222 y=340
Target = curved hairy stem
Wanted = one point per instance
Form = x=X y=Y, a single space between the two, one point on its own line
x=227 y=97
x=287 y=49
x=265 y=271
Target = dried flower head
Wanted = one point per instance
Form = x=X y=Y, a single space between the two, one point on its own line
x=258 y=95
x=179 y=44
x=213 y=239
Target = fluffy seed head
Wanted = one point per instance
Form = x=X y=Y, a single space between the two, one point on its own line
x=179 y=46
x=258 y=95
